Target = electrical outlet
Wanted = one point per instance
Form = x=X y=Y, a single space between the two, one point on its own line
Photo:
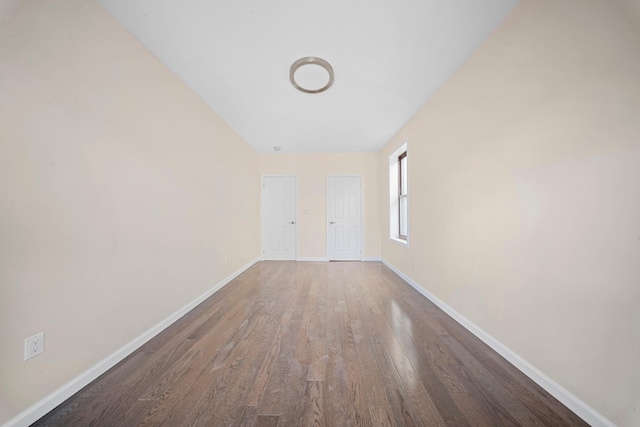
x=33 y=346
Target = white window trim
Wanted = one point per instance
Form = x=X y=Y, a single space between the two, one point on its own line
x=394 y=214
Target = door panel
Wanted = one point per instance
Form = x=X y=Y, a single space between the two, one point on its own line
x=279 y=218
x=344 y=212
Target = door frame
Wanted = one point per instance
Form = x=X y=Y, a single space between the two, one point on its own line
x=262 y=204
x=326 y=222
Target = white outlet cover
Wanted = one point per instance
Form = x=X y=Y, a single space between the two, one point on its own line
x=33 y=346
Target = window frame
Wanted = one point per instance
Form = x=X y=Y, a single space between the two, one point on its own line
x=395 y=196
x=402 y=194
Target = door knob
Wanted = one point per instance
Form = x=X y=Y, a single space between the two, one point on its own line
x=332 y=222
x=292 y=222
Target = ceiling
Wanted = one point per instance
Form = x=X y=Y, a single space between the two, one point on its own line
x=389 y=58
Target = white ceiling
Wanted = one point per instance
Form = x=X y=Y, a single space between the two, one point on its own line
x=389 y=58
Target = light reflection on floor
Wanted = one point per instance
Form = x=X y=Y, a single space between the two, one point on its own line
x=402 y=325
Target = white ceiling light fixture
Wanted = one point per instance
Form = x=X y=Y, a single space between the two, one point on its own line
x=311 y=74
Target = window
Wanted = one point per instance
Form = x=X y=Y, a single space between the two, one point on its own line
x=402 y=195
x=398 y=196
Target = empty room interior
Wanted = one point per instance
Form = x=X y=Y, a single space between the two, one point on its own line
x=320 y=213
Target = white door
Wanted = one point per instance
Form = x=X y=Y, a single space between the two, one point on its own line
x=344 y=202
x=279 y=217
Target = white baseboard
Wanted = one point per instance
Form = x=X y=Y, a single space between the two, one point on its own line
x=41 y=408
x=311 y=259
x=321 y=259
x=584 y=411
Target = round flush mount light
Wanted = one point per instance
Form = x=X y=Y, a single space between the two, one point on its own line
x=311 y=74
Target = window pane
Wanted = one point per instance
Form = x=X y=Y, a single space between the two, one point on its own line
x=403 y=175
x=403 y=217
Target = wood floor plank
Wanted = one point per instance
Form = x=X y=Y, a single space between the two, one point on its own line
x=101 y=395
x=150 y=368
x=335 y=384
x=291 y=407
x=440 y=393
x=268 y=362
x=356 y=388
x=276 y=386
x=473 y=410
x=224 y=388
x=177 y=382
x=267 y=421
x=380 y=416
x=424 y=400
x=410 y=403
x=313 y=405
x=249 y=417
x=319 y=358
x=318 y=344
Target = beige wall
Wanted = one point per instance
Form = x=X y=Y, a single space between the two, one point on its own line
x=311 y=171
x=524 y=183
x=115 y=188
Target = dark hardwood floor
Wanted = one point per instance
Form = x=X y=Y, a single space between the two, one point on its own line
x=322 y=344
